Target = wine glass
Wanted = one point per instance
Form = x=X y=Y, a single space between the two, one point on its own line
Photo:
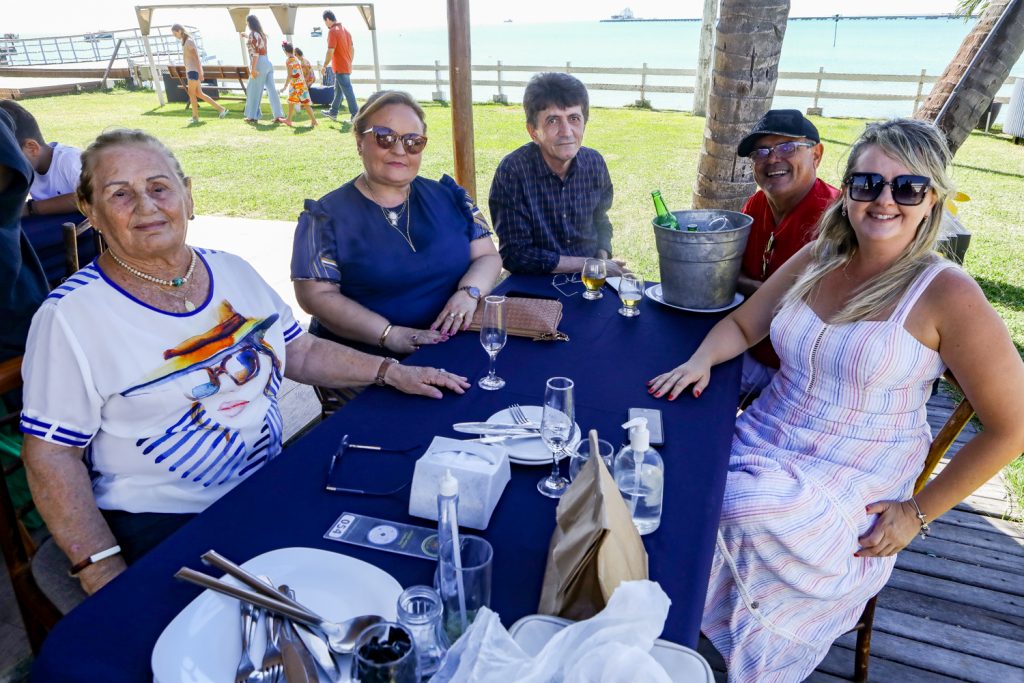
x=493 y=336
x=593 y=275
x=631 y=290
x=556 y=427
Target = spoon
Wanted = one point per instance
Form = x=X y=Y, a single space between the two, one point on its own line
x=340 y=636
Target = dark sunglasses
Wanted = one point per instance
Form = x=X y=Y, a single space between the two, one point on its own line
x=908 y=190
x=386 y=139
x=248 y=365
x=783 y=150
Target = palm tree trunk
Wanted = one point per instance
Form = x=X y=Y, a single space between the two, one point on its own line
x=707 y=45
x=969 y=91
x=748 y=43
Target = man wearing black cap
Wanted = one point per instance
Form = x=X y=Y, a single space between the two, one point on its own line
x=785 y=149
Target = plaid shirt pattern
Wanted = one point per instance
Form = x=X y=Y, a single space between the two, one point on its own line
x=539 y=217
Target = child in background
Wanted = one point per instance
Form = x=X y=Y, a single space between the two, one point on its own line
x=307 y=68
x=298 y=88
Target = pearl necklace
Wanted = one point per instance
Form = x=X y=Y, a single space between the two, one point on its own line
x=392 y=216
x=175 y=282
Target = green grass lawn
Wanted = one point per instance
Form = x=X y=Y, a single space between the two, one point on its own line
x=266 y=171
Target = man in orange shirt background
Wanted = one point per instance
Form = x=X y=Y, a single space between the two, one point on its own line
x=339 y=56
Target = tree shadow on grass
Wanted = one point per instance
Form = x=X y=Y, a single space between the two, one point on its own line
x=988 y=170
x=997 y=291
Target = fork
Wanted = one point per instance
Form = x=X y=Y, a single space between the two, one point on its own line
x=245 y=666
x=272 y=660
x=518 y=416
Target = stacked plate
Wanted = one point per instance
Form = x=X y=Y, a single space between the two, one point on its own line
x=530 y=450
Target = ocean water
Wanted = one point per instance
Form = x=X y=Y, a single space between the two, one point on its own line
x=865 y=46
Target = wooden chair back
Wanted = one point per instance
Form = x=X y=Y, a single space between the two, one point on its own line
x=72 y=233
x=37 y=611
x=950 y=430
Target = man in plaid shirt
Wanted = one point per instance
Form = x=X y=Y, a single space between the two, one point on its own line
x=549 y=199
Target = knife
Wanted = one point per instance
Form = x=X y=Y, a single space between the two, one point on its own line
x=299 y=666
x=319 y=651
x=491 y=428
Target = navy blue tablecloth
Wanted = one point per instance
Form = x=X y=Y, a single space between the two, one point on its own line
x=608 y=356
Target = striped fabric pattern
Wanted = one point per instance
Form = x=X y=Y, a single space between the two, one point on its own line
x=842 y=425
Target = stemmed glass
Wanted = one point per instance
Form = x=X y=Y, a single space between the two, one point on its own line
x=631 y=290
x=493 y=336
x=556 y=427
x=593 y=275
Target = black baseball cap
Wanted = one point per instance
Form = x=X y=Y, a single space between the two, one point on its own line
x=788 y=122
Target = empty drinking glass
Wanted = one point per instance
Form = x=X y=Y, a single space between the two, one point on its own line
x=581 y=454
x=631 y=290
x=556 y=427
x=593 y=275
x=419 y=610
x=493 y=336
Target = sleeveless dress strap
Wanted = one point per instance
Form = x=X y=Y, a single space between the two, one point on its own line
x=906 y=304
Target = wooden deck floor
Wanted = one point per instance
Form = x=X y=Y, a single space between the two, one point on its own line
x=954 y=607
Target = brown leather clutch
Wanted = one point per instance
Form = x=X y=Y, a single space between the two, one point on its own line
x=524 y=317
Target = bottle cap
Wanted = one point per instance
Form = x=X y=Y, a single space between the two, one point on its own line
x=449 y=484
x=639 y=435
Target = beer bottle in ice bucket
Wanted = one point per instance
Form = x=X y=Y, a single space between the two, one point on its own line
x=665 y=218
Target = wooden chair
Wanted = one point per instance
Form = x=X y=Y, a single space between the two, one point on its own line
x=37 y=611
x=957 y=420
x=72 y=233
x=333 y=400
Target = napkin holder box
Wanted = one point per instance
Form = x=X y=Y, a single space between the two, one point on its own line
x=481 y=483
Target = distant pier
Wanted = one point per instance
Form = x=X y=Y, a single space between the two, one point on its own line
x=834 y=17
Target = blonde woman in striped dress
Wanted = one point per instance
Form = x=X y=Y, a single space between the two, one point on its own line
x=818 y=495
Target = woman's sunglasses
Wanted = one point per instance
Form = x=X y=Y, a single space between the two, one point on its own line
x=247 y=364
x=386 y=139
x=908 y=190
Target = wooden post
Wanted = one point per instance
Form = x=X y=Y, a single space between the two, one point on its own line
x=920 y=89
x=117 y=47
x=501 y=97
x=438 y=93
x=642 y=102
x=460 y=79
x=707 y=47
x=815 y=110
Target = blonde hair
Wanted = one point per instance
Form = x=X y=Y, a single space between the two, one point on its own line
x=922 y=148
x=381 y=99
x=118 y=137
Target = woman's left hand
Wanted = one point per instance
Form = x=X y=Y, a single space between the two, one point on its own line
x=895 y=528
x=456 y=315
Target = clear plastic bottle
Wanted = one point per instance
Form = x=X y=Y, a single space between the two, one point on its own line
x=639 y=473
x=449 y=560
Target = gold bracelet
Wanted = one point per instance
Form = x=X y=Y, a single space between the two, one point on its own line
x=384 y=336
x=920 y=516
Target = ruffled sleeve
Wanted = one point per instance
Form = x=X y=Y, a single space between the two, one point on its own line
x=476 y=223
x=314 y=250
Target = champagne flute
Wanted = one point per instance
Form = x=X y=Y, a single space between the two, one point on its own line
x=593 y=275
x=493 y=336
x=631 y=290
x=556 y=427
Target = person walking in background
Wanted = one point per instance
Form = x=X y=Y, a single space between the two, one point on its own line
x=307 y=68
x=261 y=75
x=339 y=55
x=194 y=73
x=298 y=90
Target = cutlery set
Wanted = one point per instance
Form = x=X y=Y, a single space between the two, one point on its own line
x=298 y=639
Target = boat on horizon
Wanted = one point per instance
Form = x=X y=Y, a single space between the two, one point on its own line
x=96 y=37
x=625 y=15
x=316 y=32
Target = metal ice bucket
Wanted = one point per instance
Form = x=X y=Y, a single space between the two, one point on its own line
x=699 y=269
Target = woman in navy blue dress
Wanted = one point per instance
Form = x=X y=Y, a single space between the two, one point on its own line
x=391 y=261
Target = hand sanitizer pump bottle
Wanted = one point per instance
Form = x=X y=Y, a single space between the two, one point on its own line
x=639 y=473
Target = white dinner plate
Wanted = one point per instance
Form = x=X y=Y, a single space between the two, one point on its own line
x=203 y=643
x=531 y=450
x=613 y=282
x=654 y=292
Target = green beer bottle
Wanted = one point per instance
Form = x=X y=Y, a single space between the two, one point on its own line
x=665 y=218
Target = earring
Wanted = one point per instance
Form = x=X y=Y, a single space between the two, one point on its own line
x=192 y=216
x=843 y=211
